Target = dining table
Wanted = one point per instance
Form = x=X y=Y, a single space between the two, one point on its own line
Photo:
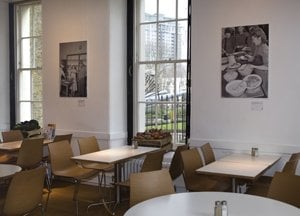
x=14 y=146
x=116 y=156
x=240 y=166
x=203 y=203
x=8 y=170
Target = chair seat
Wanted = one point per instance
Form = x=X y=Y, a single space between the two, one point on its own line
x=5 y=158
x=99 y=166
x=76 y=172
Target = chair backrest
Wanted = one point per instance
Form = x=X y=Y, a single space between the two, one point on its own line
x=295 y=156
x=88 y=145
x=290 y=167
x=31 y=153
x=60 y=155
x=153 y=161
x=25 y=192
x=147 y=185
x=176 y=162
x=12 y=135
x=191 y=160
x=208 y=153
x=63 y=137
x=285 y=187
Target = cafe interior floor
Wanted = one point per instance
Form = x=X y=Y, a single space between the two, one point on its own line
x=61 y=200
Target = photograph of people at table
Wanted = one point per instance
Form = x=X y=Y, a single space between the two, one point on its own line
x=245 y=61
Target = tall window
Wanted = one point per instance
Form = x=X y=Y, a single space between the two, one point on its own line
x=161 y=66
x=29 y=61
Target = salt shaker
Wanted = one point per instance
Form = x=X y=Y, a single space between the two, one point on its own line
x=224 y=208
x=218 y=208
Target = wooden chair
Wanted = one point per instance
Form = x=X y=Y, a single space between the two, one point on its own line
x=261 y=188
x=31 y=153
x=12 y=135
x=63 y=166
x=25 y=192
x=208 y=153
x=89 y=145
x=196 y=182
x=63 y=137
x=152 y=162
x=147 y=185
x=285 y=187
x=176 y=167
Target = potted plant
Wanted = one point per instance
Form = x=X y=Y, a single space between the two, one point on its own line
x=28 y=128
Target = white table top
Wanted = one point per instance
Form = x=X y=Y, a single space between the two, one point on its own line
x=240 y=166
x=202 y=204
x=115 y=155
x=7 y=170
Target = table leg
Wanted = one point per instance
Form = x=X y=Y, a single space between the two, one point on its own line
x=233 y=185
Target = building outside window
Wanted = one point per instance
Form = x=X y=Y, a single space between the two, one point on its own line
x=28 y=25
x=161 y=66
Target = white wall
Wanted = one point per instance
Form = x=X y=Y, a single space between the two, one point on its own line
x=4 y=69
x=76 y=20
x=229 y=124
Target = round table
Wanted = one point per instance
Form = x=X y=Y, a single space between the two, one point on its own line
x=8 y=170
x=202 y=204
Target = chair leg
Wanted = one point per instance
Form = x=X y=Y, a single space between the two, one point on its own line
x=75 y=195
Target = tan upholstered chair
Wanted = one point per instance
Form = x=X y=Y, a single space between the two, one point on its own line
x=147 y=185
x=63 y=137
x=63 y=166
x=208 y=153
x=12 y=135
x=31 y=153
x=25 y=192
x=89 y=145
x=285 y=187
x=191 y=160
x=176 y=162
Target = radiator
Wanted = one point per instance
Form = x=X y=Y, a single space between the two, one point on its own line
x=131 y=166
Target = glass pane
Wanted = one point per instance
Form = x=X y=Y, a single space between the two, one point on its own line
x=148 y=42
x=31 y=53
x=181 y=76
x=182 y=40
x=25 y=85
x=165 y=82
x=180 y=114
x=167 y=9
x=182 y=9
x=146 y=83
x=150 y=115
x=148 y=10
x=25 y=111
x=25 y=21
x=37 y=90
x=25 y=53
x=37 y=112
x=166 y=41
x=37 y=53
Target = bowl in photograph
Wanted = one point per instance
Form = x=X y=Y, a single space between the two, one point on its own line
x=253 y=81
x=245 y=69
x=236 y=87
x=230 y=75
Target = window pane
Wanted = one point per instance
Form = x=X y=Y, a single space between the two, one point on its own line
x=166 y=41
x=31 y=53
x=165 y=82
x=148 y=42
x=25 y=111
x=25 y=21
x=180 y=114
x=182 y=40
x=182 y=9
x=31 y=22
x=37 y=90
x=146 y=83
x=167 y=9
x=37 y=112
x=148 y=10
x=25 y=85
x=181 y=76
x=36 y=20
x=25 y=53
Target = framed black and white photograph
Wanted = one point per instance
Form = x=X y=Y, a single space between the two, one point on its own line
x=73 y=69
x=245 y=61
